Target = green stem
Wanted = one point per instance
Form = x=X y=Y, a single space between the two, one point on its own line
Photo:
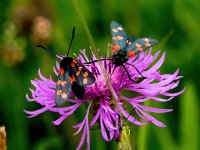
x=80 y=14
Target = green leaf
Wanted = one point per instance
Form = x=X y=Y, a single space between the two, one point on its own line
x=142 y=140
x=189 y=119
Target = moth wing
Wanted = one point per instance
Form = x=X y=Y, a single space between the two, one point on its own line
x=118 y=36
x=136 y=46
x=63 y=88
x=82 y=75
x=78 y=90
x=129 y=40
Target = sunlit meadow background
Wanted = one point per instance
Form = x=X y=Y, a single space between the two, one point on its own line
x=24 y=24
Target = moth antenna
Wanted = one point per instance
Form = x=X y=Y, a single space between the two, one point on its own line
x=90 y=62
x=136 y=69
x=48 y=50
x=126 y=118
x=128 y=74
x=130 y=114
x=73 y=33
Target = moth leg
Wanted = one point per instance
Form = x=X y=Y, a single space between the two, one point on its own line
x=128 y=74
x=136 y=70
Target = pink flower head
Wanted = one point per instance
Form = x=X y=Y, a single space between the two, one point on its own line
x=106 y=109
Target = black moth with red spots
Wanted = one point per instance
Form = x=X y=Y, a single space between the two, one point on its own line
x=72 y=76
x=127 y=47
x=124 y=47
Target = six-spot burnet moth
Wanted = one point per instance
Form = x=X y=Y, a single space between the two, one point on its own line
x=72 y=76
x=124 y=48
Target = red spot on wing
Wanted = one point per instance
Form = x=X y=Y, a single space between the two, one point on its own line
x=72 y=79
x=61 y=71
x=74 y=61
x=78 y=73
x=72 y=64
x=85 y=74
x=131 y=54
x=115 y=47
x=59 y=82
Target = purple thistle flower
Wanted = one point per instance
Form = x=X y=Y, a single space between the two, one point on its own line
x=107 y=109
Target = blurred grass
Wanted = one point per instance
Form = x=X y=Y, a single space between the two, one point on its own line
x=175 y=23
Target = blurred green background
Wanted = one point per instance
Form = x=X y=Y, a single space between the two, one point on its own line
x=24 y=24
